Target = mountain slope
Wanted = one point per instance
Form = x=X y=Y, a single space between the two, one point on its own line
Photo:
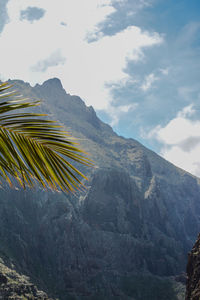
x=15 y=286
x=125 y=237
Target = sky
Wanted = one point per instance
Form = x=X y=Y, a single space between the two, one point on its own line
x=137 y=62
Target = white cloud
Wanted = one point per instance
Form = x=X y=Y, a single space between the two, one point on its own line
x=164 y=71
x=148 y=82
x=89 y=67
x=54 y=59
x=187 y=161
x=117 y=112
x=186 y=92
x=178 y=129
x=187 y=111
x=181 y=140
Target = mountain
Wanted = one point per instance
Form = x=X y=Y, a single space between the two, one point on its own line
x=125 y=237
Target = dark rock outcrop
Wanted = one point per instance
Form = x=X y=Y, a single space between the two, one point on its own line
x=16 y=286
x=193 y=273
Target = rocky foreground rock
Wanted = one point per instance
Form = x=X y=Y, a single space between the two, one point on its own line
x=125 y=237
x=193 y=273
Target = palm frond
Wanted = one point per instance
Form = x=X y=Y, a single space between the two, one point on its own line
x=36 y=149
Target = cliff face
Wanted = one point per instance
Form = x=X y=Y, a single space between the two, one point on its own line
x=125 y=237
x=16 y=286
x=193 y=273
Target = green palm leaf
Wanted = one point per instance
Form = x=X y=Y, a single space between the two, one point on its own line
x=34 y=149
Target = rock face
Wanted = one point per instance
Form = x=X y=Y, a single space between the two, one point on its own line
x=126 y=237
x=15 y=286
x=193 y=273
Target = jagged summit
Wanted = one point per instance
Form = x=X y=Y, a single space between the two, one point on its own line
x=53 y=82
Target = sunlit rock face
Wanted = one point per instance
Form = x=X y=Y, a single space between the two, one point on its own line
x=17 y=286
x=125 y=237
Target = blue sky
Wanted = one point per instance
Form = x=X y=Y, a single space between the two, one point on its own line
x=137 y=62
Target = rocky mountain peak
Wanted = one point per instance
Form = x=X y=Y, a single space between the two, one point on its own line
x=53 y=83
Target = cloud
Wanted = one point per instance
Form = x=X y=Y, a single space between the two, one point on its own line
x=178 y=129
x=148 y=82
x=63 y=23
x=87 y=68
x=117 y=112
x=32 y=14
x=187 y=161
x=180 y=140
x=176 y=66
x=149 y=79
x=3 y=14
x=189 y=143
x=187 y=111
x=126 y=12
x=53 y=60
x=164 y=71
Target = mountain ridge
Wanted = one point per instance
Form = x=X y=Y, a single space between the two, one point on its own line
x=55 y=84
x=125 y=237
